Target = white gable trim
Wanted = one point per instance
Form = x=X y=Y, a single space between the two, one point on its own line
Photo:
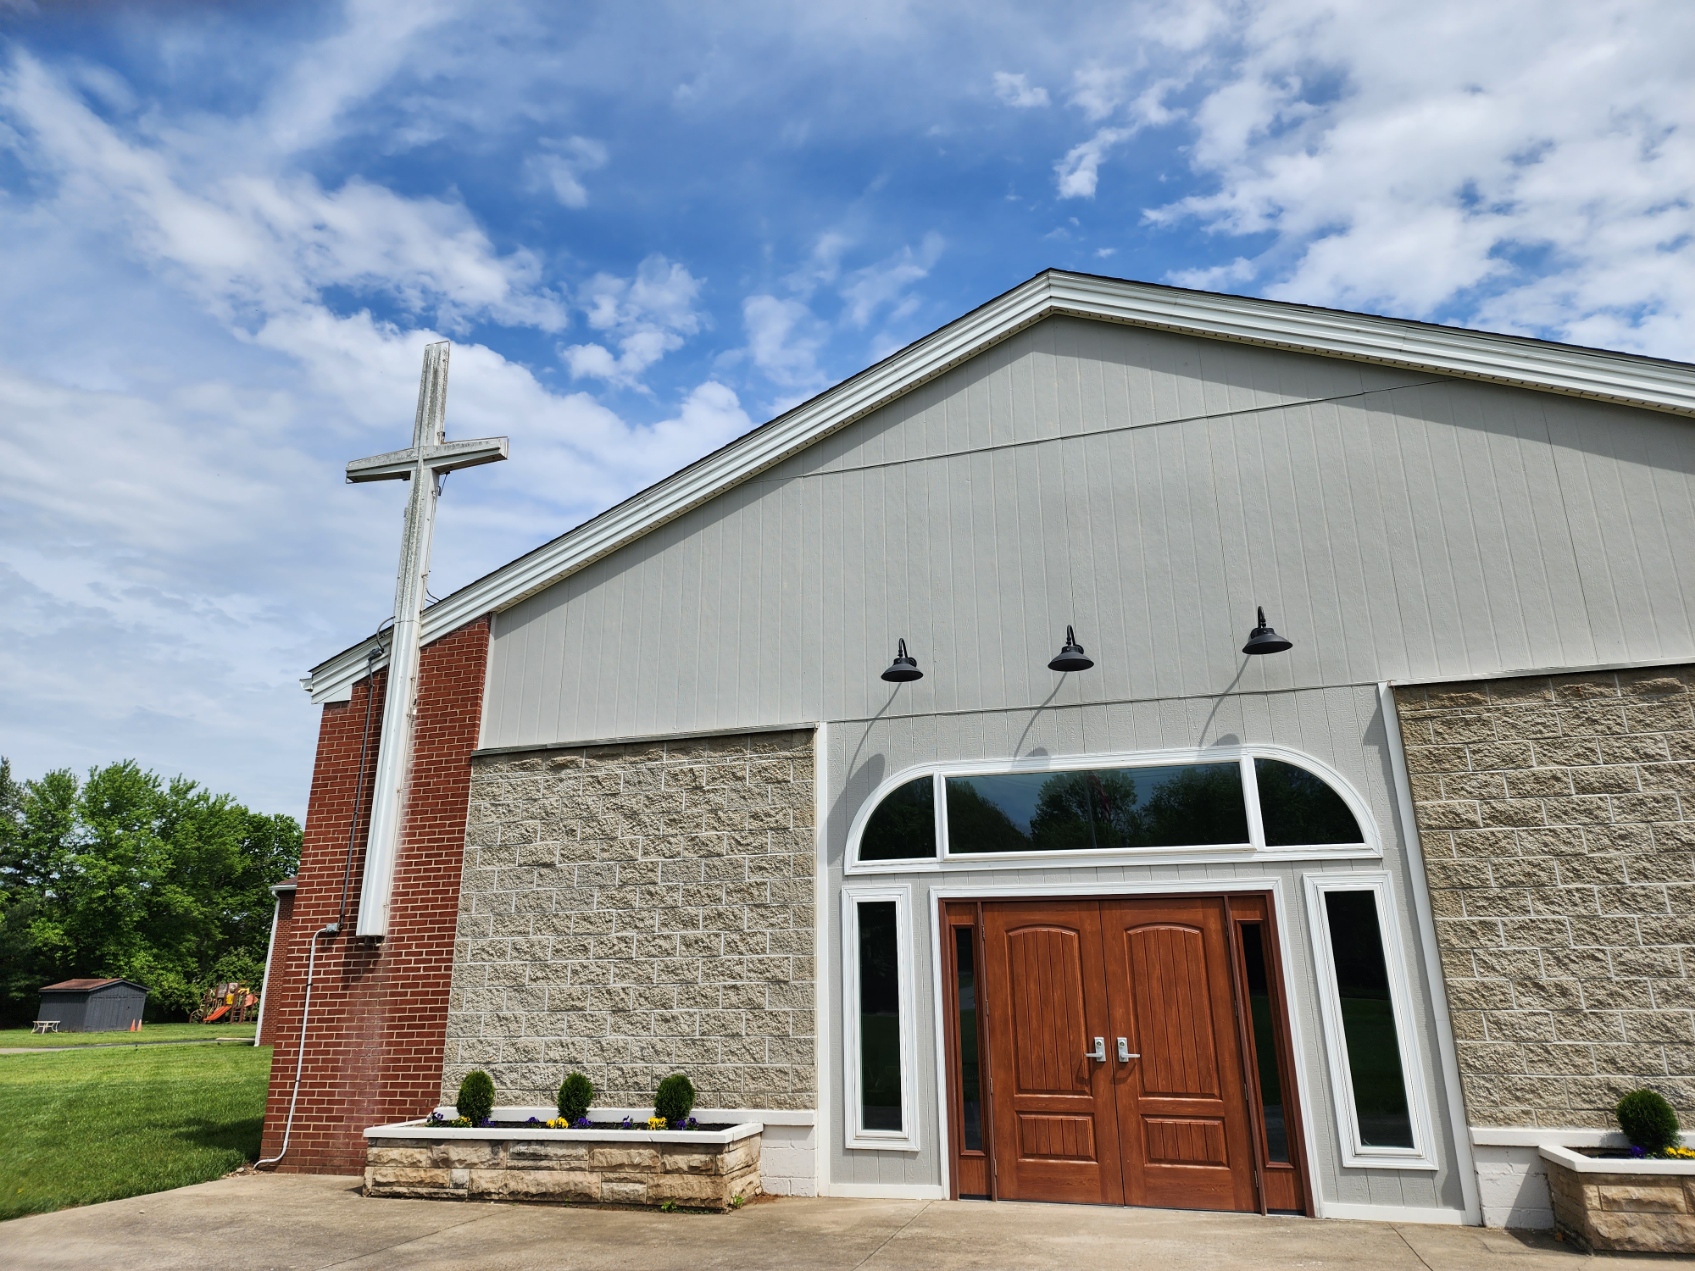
x=1556 y=368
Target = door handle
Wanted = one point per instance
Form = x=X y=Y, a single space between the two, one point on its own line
x=1098 y=1054
x=1124 y=1055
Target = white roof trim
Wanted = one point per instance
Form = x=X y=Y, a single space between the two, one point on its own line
x=1503 y=359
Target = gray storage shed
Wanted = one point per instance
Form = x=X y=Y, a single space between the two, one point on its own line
x=92 y=1006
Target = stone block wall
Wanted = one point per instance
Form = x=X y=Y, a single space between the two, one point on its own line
x=1557 y=816
x=636 y=910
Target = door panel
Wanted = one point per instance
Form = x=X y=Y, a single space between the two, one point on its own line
x=1168 y=988
x=1185 y=1132
x=1055 y=1123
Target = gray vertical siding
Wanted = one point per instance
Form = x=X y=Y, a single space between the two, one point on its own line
x=1152 y=489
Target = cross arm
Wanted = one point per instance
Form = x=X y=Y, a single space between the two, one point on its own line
x=398 y=465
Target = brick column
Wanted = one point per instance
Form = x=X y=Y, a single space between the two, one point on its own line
x=379 y=1008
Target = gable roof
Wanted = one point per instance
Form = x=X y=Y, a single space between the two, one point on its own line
x=87 y=986
x=1629 y=379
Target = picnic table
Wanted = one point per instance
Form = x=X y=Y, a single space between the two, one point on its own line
x=46 y=1026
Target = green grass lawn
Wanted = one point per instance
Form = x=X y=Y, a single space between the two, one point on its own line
x=152 y=1033
x=77 y=1127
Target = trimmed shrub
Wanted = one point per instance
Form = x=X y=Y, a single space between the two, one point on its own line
x=1648 y=1121
x=476 y=1096
x=674 y=1099
x=576 y=1092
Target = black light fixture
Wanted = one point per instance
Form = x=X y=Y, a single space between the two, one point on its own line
x=1262 y=639
x=904 y=669
x=1071 y=656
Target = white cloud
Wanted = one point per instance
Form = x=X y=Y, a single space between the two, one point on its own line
x=783 y=338
x=1098 y=91
x=178 y=546
x=885 y=285
x=561 y=165
x=261 y=241
x=647 y=316
x=1078 y=173
x=1533 y=165
x=1017 y=91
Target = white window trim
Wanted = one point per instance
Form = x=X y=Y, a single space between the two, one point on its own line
x=1355 y=1153
x=856 y=1137
x=1253 y=850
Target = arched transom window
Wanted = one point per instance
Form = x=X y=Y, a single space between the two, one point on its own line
x=1258 y=800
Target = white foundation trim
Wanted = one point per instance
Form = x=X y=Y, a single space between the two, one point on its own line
x=1506 y=1136
x=1395 y=1213
x=888 y=1191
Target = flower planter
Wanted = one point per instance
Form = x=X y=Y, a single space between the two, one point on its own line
x=693 y=1169
x=1618 y=1203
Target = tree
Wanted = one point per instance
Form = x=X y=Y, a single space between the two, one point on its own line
x=127 y=876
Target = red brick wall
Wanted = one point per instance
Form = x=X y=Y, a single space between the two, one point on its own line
x=379 y=1008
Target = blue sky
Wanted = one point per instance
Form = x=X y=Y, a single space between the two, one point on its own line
x=226 y=233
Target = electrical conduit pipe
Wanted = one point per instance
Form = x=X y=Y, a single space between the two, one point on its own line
x=333 y=929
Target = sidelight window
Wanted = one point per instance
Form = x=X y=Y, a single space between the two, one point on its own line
x=877 y=983
x=1368 y=1023
x=1251 y=801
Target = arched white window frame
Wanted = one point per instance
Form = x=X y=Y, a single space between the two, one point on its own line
x=1255 y=849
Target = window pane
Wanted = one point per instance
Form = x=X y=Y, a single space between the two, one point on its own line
x=1368 y=1019
x=879 y=1017
x=1265 y=1044
x=1299 y=809
x=904 y=825
x=970 y=1096
x=1185 y=805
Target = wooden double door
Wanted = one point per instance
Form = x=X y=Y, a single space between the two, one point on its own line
x=1114 y=1058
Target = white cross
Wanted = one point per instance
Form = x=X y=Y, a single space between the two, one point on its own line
x=423 y=463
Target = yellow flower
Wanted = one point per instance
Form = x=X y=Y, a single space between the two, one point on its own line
x=656 y=1123
x=1681 y=1153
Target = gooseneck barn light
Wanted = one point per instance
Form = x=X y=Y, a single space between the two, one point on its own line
x=1071 y=657
x=904 y=669
x=1262 y=639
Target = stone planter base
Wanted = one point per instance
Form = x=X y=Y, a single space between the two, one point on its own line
x=702 y=1169
x=1608 y=1204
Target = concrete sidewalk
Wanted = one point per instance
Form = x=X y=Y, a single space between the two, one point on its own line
x=306 y=1221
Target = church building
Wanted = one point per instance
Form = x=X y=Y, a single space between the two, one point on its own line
x=1132 y=746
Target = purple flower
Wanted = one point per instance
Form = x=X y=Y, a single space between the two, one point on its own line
x=626 y=1123
x=1638 y=1151
x=583 y=1123
x=691 y=1124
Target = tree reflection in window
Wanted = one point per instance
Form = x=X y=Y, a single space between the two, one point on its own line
x=1182 y=805
x=904 y=825
x=1300 y=809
